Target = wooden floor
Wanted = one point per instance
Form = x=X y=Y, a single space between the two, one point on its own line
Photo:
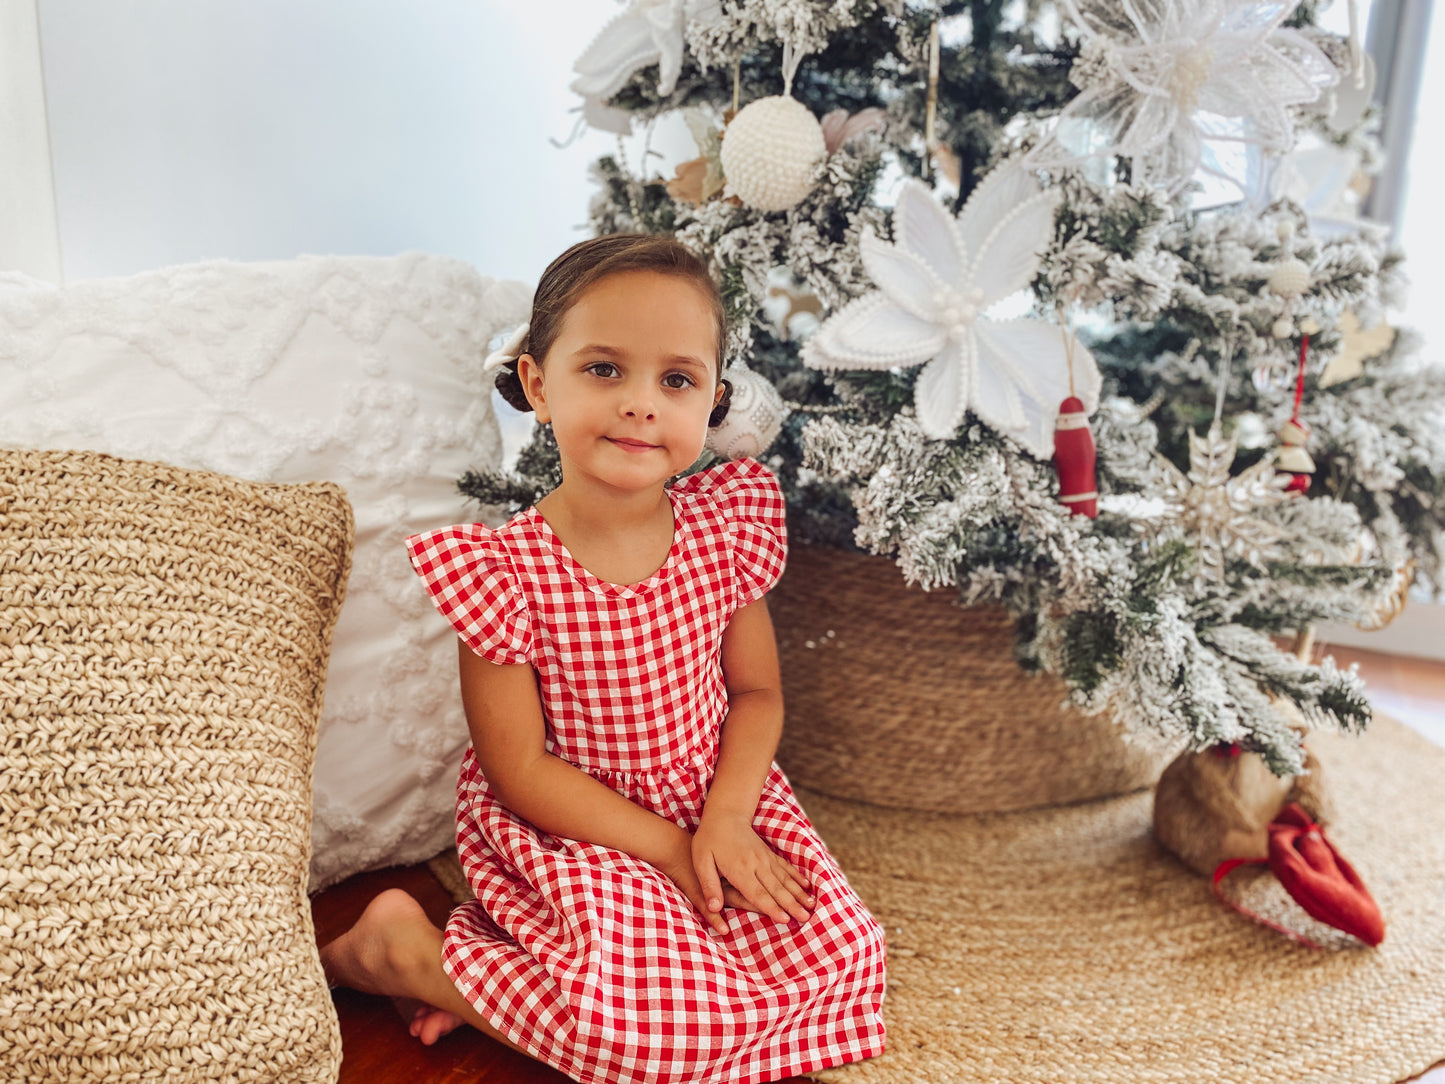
x=378 y=1050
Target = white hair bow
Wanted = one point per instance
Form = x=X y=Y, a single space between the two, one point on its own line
x=508 y=352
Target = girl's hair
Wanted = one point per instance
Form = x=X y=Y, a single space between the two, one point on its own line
x=587 y=262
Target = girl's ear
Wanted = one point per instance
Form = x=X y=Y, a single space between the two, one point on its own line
x=530 y=375
x=721 y=400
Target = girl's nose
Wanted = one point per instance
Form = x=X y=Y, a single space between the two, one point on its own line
x=638 y=403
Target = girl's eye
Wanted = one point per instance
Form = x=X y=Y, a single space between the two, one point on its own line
x=677 y=380
x=602 y=368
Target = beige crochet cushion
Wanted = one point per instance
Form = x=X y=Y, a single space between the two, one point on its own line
x=164 y=635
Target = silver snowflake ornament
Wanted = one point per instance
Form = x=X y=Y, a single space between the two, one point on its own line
x=1216 y=511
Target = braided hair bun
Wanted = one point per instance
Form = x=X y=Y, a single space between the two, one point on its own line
x=510 y=385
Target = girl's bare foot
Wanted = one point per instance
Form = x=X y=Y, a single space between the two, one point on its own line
x=394 y=950
x=366 y=957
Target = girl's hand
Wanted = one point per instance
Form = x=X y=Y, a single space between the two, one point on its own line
x=678 y=867
x=726 y=847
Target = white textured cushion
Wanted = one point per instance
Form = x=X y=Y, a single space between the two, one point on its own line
x=364 y=371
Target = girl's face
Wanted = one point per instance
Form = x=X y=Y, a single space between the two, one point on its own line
x=629 y=381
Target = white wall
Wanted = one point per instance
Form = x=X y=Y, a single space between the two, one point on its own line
x=29 y=238
x=1422 y=228
x=256 y=129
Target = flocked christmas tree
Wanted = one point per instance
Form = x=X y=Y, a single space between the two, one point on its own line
x=894 y=172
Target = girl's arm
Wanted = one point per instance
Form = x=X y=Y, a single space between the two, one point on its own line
x=725 y=845
x=504 y=715
x=754 y=722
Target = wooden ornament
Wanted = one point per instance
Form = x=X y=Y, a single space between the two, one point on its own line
x=1292 y=459
x=1295 y=434
x=1356 y=346
x=1075 y=458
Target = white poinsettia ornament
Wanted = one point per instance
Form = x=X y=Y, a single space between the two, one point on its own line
x=935 y=280
x=648 y=32
x=1160 y=79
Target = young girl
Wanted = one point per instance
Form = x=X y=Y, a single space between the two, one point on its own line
x=652 y=904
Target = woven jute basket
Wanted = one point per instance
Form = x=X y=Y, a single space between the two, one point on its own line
x=901 y=697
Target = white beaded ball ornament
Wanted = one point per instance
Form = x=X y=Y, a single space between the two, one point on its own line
x=769 y=153
x=755 y=417
x=1290 y=278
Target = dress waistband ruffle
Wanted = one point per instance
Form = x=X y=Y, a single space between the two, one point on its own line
x=697 y=762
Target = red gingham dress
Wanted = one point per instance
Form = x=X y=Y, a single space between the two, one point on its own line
x=589 y=959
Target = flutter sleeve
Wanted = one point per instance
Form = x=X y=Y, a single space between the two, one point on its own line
x=752 y=504
x=468 y=576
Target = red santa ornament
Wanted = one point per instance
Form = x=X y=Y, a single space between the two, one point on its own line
x=1293 y=459
x=1074 y=454
x=1074 y=458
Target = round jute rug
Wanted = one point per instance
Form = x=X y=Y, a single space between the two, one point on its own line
x=1065 y=946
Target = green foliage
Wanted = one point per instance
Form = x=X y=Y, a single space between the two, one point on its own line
x=1123 y=226
x=737 y=299
x=538 y=471
x=1000 y=73
x=875 y=395
x=630 y=206
x=1160 y=571
x=1307 y=14
x=1092 y=648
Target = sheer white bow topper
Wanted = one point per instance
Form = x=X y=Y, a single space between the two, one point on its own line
x=1162 y=79
x=934 y=282
x=508 y=352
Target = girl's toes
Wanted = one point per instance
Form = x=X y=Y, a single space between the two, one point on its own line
x=436 y=1023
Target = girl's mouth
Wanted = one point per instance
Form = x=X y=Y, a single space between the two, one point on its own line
x=632 y=445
